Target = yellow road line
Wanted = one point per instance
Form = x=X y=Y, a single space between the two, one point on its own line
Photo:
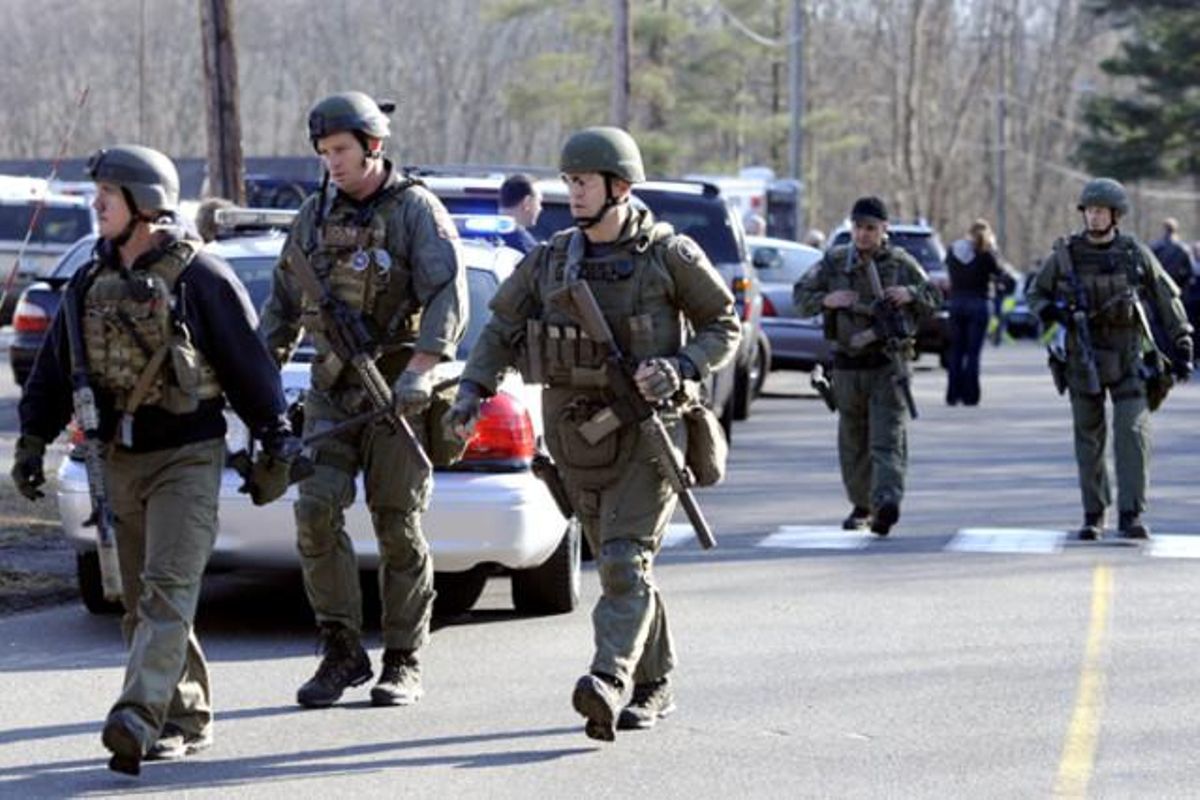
x=1079 y=748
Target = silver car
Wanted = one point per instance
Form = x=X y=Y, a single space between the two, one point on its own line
x=489 y=515
x=796 y=342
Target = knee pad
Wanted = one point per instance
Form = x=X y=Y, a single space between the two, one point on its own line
x=401 y=541
x=624 y=568
x=314 y=525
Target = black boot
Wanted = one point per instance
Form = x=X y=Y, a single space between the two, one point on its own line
x=121 y=739
x=859 y=519
x=1093 y=526
x=885 y=517
x=650 y=702
x=597 y=698
x=399 y=680
x=1131 y=526
x=345 y=664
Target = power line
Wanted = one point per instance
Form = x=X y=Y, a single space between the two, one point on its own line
x=748 y=32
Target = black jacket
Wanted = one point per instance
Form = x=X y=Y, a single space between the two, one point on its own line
x=217 y=311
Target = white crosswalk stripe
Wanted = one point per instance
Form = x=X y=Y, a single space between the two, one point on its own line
x=1006 y=540
x=677 y=533
x=815 y=537
x=1173 y=546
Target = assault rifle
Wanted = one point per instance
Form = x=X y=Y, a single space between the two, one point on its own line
x=893 y=327
x=1077 y=309
x=87 y=417
x=353 y=344
x=577 y=302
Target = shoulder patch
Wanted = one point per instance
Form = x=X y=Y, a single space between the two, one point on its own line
x=685 y=250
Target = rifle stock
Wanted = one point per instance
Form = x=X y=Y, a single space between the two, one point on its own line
x=88 y=418
x=577 y=302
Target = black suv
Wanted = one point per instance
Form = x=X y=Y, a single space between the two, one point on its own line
x=693 y=208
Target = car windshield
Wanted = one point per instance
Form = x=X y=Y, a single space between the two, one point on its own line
x=255 y=274
x=783 y=264
x=74 y=258
x=55 y=225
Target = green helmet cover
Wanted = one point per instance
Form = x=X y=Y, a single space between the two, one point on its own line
x=606 y=150
x=149 y=176
x=1106 y=193
x=349 y=111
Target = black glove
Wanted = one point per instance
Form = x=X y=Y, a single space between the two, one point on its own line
x=1181 y=365
x=28 y=472
x=1055 y=312
x=273 y=468
x=460 y=419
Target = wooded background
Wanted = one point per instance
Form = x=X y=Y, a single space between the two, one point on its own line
x=901 y=97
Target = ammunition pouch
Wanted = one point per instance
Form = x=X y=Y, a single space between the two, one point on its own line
x=588 y=433
x=707 y=449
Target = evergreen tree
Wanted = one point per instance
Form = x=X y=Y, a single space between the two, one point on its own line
x=1149 y=133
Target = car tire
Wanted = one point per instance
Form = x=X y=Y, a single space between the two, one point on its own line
x=91 y=587
x=553 y=586
x=742 y=390
x=760 y=366
x=457 y=592
x=726 y=418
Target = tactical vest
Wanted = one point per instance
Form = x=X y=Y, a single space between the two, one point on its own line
x=633 y=287
x=847 y=326
x=138 y=346
x=354 y=257
x=1109 y=276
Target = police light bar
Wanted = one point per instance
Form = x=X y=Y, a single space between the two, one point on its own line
x=254 y=217
x=484 y=224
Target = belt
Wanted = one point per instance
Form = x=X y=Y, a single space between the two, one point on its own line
x=867 y=361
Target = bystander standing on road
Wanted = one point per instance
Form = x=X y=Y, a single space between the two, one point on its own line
x=975 y=272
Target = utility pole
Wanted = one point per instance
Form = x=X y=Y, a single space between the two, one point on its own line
x=221 y=88
x=622 y=43
x=796 y=106
x=1001 y=133
x=142 y=71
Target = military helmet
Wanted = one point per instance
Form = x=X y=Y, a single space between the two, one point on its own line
x=147 y=175
x=1106 y=193
x=349 y=111
x=603 y=149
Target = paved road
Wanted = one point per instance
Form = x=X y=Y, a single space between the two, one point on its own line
x=1001 y=663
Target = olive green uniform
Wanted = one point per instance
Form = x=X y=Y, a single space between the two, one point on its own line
x=653 y=287
x=872 y=441
x=394 y=259
x=1112 y=276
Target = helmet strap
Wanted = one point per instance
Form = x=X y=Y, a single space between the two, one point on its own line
x=583 y=223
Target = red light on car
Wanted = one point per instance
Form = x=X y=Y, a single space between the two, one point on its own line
x=504 y=431
x=741 y=284
x=768 y=307
x=30 y=318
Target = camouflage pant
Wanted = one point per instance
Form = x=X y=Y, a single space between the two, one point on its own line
x=624 y=508
x=872 y=440
x=1131 y=446
x=397 y=492
x=165 y=503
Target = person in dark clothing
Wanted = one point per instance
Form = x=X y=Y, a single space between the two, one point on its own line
x=167 y=333
x=522 y=201
x=1174 y=255
x=974 y=268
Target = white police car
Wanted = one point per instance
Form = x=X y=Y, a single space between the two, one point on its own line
x=489 y=515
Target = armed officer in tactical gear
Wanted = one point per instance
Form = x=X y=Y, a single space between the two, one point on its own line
x=868 y=381
x=671 y=313
x=168 y=333
x=1097 y=284
x=386 y=251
